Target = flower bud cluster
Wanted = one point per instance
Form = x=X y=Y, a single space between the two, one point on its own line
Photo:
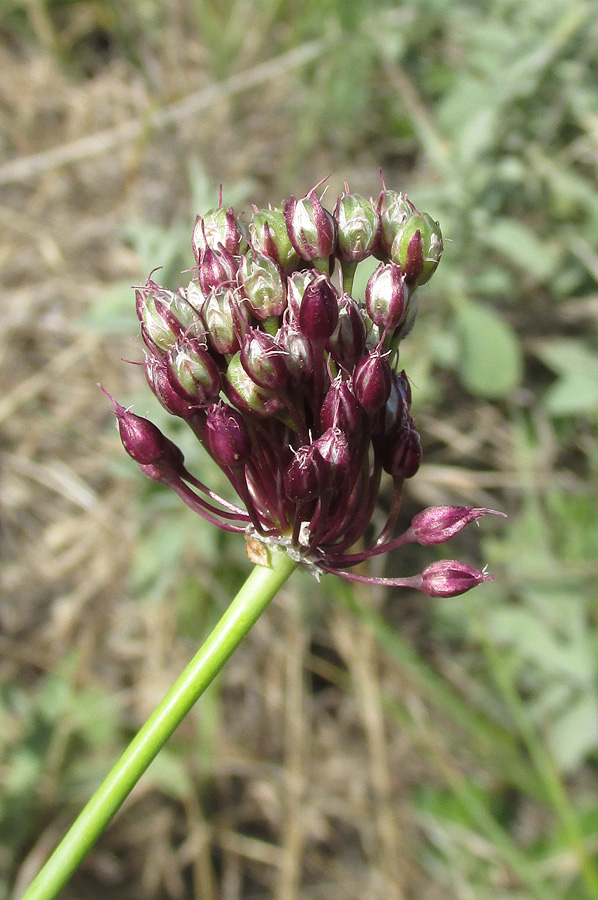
x=291 y=383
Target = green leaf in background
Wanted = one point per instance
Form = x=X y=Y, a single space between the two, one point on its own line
x=519 y=244
x=576 y=390
x=490 y=362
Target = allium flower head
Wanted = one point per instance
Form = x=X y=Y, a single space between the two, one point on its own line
x=292 y=385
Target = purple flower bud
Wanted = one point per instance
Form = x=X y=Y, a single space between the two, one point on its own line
x=158 y=378
x=318 y=314
x=142 y=440
x=449 y=578
x=306 y=476
x=341 y=409
x=296 y=285
x=193 y=372
x=226 y=435
x=269 y=236
x=393 y=208
x=372 y=381
x=263 y=359
x=310 y=227
x=263 y=285
x=394 y=415
x=402 y=454
x=347 y=342
x=387 y=296
x=225 y=323
x=218 y=228
x=334 y=448
x=247 y=396
x=418 y=256
x=165 y=315
x=358 y=224
x=216 y=268
x=299 y=356
x=438 y=524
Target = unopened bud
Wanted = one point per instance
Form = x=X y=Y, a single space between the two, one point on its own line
x=227 y=437
x=263 y=359
x=296 y=285
x=158 y=378
x=224 y=320
x=318 y=314
x=218 y=228
x=372 y=381
x=310 y=227
x=341 y=409
x=248 y=396
x=438 y=524
x=306 y=476
x=417 y=247
x=358 y=224
x=393 y=208
x=394 y=415
x=387 y=296
x=263 y=284
x=216 y=268
x=193 y=372
x=270 y=237
x=347 y=342
x=334 y=447
x=165 y=315
x=143 y=441
x=401 y=453
x=299 y=356
x=449 y=578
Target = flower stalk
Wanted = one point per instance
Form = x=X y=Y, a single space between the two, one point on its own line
x=260 y=588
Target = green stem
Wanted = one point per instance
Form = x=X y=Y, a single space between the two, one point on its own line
x=259 y=589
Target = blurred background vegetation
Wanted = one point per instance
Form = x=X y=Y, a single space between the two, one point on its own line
x=360 y=743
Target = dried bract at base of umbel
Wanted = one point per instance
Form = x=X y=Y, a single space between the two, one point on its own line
x=294 y=387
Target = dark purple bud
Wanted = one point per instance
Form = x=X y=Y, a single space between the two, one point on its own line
x=318 y=314
x=158 y=378
x=263 y=359
x=358 y=224
x=263 y=284
x=224 y=320
x=216 y=268
x=269 y=236
x=393 y=209
x=247 y=396
x=193 y=372
x=402 y=454
x=299 y=355
x=449 y=578
x=310 y=227
x=165 y=315
x=394 y=415
x=334 y=448
x=142 y=440
x=387 y=296
x=341 y=409
x=347 y=342
x=218 y=228
x=372 y=381
x=306 y=476
x=440 y=523
x=226 y=435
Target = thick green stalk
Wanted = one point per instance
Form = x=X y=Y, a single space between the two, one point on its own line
x=259 y=589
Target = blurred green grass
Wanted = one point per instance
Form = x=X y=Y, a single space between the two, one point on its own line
x=490 y=113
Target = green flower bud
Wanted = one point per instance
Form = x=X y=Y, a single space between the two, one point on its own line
x=264 y=285
x=269 y=236
x=417 y=247
x=358 y=224
x=165 y=315
x=393 y=209
x=224 y=320
x=218 y=228
x=245 y=394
